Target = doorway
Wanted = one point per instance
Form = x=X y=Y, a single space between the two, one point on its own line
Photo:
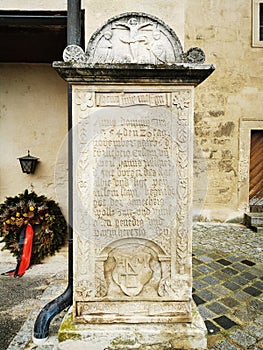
x=256 y=171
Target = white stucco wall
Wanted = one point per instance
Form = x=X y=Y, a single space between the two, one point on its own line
x=33 y=115
x=33 y=5
x=170 y=11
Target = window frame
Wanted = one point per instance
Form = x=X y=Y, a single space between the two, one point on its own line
x=256 y=42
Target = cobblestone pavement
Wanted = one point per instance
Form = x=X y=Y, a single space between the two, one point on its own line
x=227 y=288
x=228 y=285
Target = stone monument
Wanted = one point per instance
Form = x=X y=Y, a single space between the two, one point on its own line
x=133 y=93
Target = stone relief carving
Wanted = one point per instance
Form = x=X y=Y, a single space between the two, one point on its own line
x=74 y=53
x=84 y=282
x=132 y=270
x=173 y=288
x=100 y=282
x=84 y=100
x=166 y=276
x=195 y=55
x=84 y=289
x=163 y=239
x=182 y=216
x=135 y=312
x=136 y=38
x=83 y=247
x=181 y=99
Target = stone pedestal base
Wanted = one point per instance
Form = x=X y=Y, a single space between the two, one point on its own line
x=146 y=336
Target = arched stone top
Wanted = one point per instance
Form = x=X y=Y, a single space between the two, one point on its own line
x=126 y=242
x=134 y=38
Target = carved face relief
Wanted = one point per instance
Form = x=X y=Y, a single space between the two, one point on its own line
x=132 y=270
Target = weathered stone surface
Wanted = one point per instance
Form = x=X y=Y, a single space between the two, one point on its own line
x=134 y=38
x=181 y=74
x=132 y=155
x=173 y=336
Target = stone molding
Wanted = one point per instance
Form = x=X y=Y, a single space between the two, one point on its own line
x=179 y=74
x=134 y=48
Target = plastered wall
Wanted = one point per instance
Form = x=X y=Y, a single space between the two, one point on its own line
x=33 y=5
x=33 y=115
x=231 y=96
x=170 y=11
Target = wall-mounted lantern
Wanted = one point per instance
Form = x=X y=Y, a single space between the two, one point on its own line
x=28 y=163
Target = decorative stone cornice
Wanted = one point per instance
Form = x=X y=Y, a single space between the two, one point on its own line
x=180 y=74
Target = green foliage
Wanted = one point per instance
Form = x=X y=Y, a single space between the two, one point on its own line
x=43 y=214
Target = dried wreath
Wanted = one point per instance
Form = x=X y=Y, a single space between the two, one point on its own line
x=31 y=225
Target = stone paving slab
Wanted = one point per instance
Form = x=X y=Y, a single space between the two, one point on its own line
x=227 y=288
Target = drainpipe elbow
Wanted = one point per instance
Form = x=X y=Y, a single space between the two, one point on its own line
x=53 y=308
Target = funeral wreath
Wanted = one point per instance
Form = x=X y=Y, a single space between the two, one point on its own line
x=44 y=218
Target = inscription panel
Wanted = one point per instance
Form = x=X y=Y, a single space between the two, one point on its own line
x=134 y=312
x=132 y=154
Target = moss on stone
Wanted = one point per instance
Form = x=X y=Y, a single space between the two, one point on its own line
x=68 y=330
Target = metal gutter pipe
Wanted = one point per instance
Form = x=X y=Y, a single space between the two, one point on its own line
x=41 y=327
x=74 y=22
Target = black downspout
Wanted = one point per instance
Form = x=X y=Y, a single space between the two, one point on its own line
x=74 y=22
x=53 y=308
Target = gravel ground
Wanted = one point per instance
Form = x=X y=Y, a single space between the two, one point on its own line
x=17 y=299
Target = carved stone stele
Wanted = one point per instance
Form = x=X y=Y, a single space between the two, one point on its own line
x=132 y=182
x=132 y=187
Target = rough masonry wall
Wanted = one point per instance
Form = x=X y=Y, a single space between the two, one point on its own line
x=233 y=94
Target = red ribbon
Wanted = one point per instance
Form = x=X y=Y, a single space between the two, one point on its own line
x=27 y=250
x=25 y=256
